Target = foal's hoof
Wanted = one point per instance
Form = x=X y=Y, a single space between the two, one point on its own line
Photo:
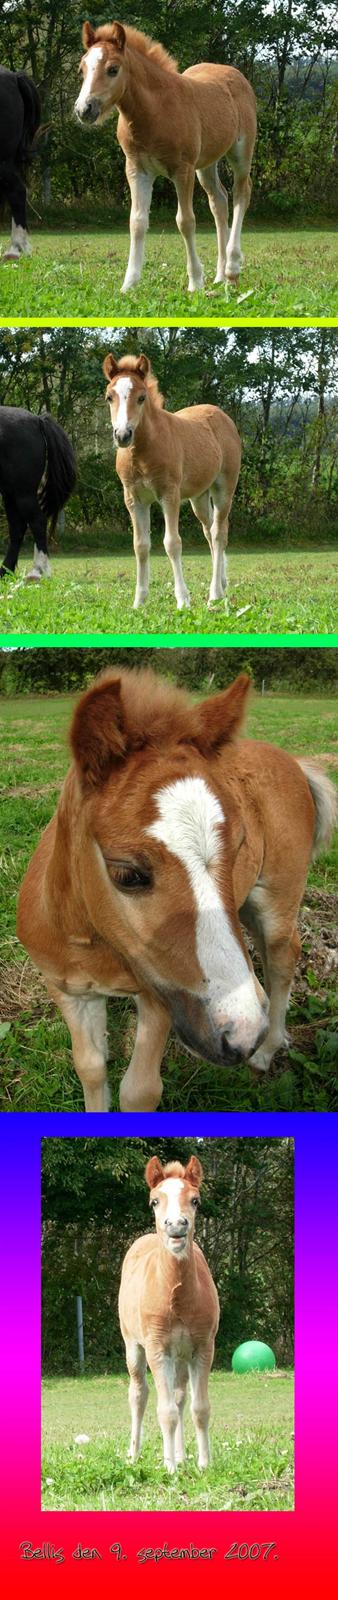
x=12 y=256
x=260 y=1062
x=183 y=605
x=33 y=577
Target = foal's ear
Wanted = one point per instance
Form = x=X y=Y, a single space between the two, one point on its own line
x=96 y=735
x=88 y=35
x=118 y=36
x=194 y=1172
x=110 y=367
x=217 y=720
x=142 y=366
x=153 y=1172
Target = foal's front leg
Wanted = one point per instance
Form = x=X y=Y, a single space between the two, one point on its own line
x=86 y=1020
x=163 y=1370
x=199 y=1369
x=173 y=546
x=141 y=1087
x=140 y=519
x=184 y=185
x=141 y=188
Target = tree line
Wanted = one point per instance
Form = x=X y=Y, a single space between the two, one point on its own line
x=289 y=51
x=279 y=385
x=95 y=1203
x=200 y=671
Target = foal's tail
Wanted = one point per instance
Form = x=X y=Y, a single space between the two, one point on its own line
x=32 y=116
x=59 y=478
x=325 y=797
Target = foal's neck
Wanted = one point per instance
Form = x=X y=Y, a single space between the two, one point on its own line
x=178 y=1271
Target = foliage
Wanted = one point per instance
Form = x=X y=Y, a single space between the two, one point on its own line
x=95 y=1202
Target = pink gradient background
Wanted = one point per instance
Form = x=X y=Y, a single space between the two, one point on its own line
x=306 y=1539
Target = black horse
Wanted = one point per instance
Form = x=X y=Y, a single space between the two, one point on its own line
x=37 y=475
x=20 y=117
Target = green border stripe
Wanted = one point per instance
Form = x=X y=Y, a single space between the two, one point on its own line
x=168 y=322
x=169 y=641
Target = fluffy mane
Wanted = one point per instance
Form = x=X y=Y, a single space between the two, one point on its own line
x=129 y=364
x=141 y=42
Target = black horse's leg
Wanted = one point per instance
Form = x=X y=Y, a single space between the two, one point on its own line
x=38 y=524
x=17 y=523
x=14 y=188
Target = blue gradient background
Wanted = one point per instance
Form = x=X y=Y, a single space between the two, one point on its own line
x=306 y=1538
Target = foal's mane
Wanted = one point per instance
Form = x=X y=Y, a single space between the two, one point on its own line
x=142 y=43
x=129 y=364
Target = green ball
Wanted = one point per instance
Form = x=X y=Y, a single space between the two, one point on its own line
x=253 y=1357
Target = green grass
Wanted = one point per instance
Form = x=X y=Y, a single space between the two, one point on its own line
x=268 y=593
x=252 y=1448
x=79 y=274
x=36 y=1065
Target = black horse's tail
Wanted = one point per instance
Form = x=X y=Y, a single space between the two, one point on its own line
x=32 y=118
x=59 y=478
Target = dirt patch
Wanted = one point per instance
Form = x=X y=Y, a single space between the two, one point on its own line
x=32 y=790
x=21 y=989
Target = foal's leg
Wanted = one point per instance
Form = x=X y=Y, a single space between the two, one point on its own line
x=140 y=519
x=279 y=951
x=219 y=540
x=38 y=524
x=199 y=1369
x=163 y=1370
x=181 y=1379
x=14 y=188
x=141 y=1087
x=184 y=185
x=204 y=512
x=138 y=1394
x=173 y=546
x=240 y=161
x=141 y=188
x=86 y=1020
x=209 y=179
x=17 y=523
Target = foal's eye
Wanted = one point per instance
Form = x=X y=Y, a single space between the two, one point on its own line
x=194 y=1203
x=154 y=1203
x=141 y=400
x=129 y=877
x=112 y=72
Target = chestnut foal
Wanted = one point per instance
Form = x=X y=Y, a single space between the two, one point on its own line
x=167 y=457
x=169 y=1313
x=169 y=833
x=176 y=124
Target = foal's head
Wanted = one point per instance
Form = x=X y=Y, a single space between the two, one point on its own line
x=131 y=384
x=157 y=839
x=103 y=69
x=174 y=1197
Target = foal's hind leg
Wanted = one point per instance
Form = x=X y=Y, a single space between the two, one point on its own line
x=203 y=510
x=240 y=161
x=219 y=540
x=138 y=1394
x=279 y=952
x=209 y=179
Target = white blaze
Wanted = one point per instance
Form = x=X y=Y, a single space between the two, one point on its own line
x=123 y=388
x=189 y=823
x=95 y=54
x=172 y=1188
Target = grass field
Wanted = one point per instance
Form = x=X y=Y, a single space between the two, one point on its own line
x=268 y=593
x=79 y=274
x=252 y=1448
x=36 y=1067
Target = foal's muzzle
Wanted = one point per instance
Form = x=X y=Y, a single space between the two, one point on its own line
x=123 y=436
x=88 y=113
x=224 y=1046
